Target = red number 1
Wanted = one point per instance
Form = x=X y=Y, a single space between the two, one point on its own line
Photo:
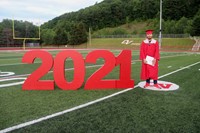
x=124 y=61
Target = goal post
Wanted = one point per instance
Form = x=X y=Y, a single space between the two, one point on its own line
x=24 y=38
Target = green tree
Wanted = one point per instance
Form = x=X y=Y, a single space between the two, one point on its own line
x=149 y=9
x=196 y=25
x=119 y=31
x=62 y=30
x=61 y=37
x=182 y=25
x=1 y=31
x=78 y=34
x=169 y=27
x=47 y=36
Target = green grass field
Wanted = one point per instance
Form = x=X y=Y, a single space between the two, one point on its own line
x=137 y=110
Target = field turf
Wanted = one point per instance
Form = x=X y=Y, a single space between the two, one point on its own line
x=137 y=110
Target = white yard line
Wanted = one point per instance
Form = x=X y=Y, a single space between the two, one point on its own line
x=82 y=105
x=15 y=64
x=22 y=75
x=179 y=70
x=132 y=62
x=12 y=58
x=132 y=54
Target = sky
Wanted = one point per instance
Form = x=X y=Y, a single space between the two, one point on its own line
x=40 y=11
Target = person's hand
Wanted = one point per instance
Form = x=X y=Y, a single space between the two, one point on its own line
x=145 y=61
x=154 y=61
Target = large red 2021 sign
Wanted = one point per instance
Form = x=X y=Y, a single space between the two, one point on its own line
x=94 y=82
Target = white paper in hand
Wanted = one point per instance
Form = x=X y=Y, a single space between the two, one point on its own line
x=149 y=60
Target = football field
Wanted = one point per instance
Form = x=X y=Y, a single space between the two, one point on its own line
x=114 y=110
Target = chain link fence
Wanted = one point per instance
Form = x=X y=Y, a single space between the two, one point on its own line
x=143 y=36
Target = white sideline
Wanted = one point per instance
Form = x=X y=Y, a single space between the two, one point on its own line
x=82 y=105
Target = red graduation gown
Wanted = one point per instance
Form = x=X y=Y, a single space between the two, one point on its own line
x=151 y=49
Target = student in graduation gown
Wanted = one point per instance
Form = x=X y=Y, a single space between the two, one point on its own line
x=149 y=47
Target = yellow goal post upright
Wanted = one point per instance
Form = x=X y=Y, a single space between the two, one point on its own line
x=24 y=38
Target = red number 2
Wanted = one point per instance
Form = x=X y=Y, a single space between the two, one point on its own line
x=95 y=81
x=33 y=82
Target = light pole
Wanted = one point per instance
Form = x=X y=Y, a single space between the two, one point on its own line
x=160 y=31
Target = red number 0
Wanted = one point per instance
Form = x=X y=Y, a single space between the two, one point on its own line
x=59 y=70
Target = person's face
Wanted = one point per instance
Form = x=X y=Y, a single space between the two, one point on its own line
x=149 y=36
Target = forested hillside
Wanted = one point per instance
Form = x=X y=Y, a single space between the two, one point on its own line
x=111 y=13
x=179 y=17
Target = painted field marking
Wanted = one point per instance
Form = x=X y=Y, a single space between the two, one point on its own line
x=132 y=62
x=164 y=86
x=84 y=53
x=169 y=66
x=3 y=74
x=83 y=105
x=132 y=54
x=11 y=84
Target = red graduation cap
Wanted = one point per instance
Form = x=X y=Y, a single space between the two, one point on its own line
x=149 y=31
